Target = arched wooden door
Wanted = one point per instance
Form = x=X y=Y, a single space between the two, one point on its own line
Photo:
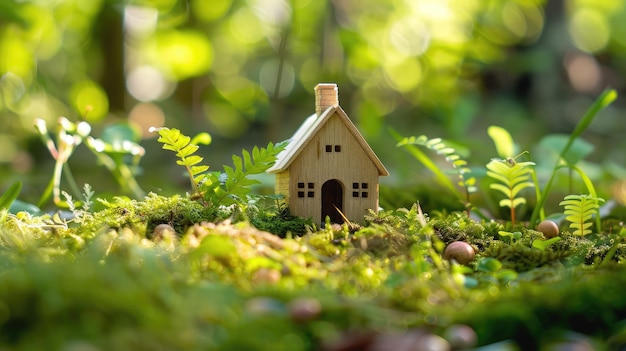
x=332 y=200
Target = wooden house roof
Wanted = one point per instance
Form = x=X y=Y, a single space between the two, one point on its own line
x=309 y=128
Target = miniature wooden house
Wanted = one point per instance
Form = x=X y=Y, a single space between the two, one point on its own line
x=328 y=169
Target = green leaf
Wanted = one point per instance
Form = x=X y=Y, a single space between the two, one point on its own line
x=578 y=150
x=187 y=150
x=489 y=265
x=501 y=188
x=10 y=195
x=117 y=133
x=202 y=138
x=579 y=209
x=198 y=169
x=513 y=236
x=192 y=160
x=506 y=275
x=174 y=140
x=19 y=206
x=518 y=201
x=503 y=141
x=604 y=100
x=543 y=244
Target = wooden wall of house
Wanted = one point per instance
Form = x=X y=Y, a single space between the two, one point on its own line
x=345 y=161
x=282 y=184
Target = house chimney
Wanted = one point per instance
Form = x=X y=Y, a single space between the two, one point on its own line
x=326 y=95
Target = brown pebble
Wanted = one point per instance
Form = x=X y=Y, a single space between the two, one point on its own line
x=460 y=251
x=548 y=228
x=304 y=309
x=461 y=336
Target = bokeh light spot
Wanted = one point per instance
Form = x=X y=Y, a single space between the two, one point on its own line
x=184 y=53
x=583 y=72
x=514 y=19
x=272 y=12
x=146 y=83
x=226 y=119
x=405 y=76
x=146 y=115
x=410 y=37
x=140 y=21
x=246 y=27
x=240 y=92
x=208 y=11
x=90 y=100
x=589 y=30
x=11 y=90
x=16 y=58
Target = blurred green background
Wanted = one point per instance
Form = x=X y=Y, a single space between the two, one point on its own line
x=244 y=71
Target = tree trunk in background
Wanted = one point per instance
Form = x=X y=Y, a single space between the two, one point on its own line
x=109 y=33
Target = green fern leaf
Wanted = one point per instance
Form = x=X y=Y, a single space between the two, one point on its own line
x=578 y=210
x=438 y=145
x=173 y=140
x=511 y=179
x=238 y=182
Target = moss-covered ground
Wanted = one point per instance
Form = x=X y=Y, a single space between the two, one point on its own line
x=167 y=273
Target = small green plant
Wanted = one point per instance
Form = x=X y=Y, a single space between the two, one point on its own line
x=514 y=236
x=173 y=140
x=117 y=142
x=218 y=188
x=466 y=181
x=579 y=209
x=544 y=244
x=68 y=136
x=80 y=209
x=511 y=178
x=238 y=179
x=493 y=272
x=604 y=100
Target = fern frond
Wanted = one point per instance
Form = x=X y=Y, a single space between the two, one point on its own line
x=466 y=181
x=173 y=140
x=511 y=179
x=237 y=183
x=578 y=210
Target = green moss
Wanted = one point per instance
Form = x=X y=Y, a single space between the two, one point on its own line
x=219 y=278
x=142 y=216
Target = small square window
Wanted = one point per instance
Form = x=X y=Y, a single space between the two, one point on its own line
x=300 y=193
x=355 y=194
x=310 y=194
x=329 y=148
x=355 y=185
x=363 y=185
x=364 y=194
x=300 y=185
x=337 y=148
x=311 y=185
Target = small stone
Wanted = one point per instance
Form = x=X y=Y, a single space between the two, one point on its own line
x=461 y=336
x=548 y=228
x=413 y=340
x=459 y=251
x=304 y=309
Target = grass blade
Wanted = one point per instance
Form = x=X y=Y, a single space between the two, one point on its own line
x=604 y=100
x=10 y=195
